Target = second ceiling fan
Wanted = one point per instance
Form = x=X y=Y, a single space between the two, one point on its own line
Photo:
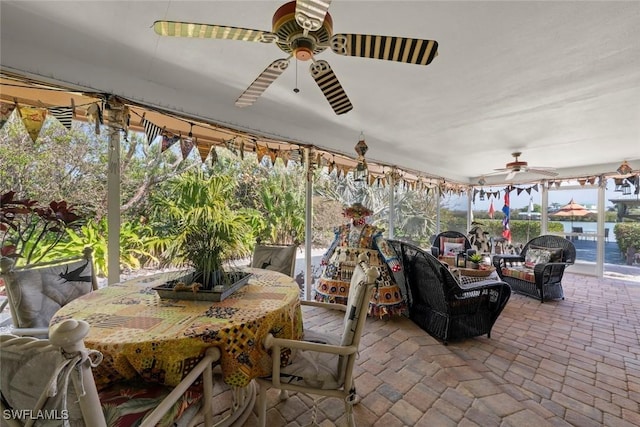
x=303 y=29
x=517 y=166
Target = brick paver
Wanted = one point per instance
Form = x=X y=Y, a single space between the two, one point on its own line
x=561 y=363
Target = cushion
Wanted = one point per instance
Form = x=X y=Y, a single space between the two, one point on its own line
x=452 y=248
x=276 y=258
x=445 y=240
x=556 y=253
x=312 y=368
x=520 y=273
x=23 y=379
x=536 y=256
x=127 y=403
x=37 y=293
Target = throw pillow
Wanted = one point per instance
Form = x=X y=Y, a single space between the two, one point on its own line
x=445 y=240
x=536 y=256
x=453 y=248
x=556 y=253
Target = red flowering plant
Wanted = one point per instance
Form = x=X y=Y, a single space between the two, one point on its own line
x=30 y=230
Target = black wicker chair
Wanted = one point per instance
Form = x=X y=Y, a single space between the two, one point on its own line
x=443 y=307
x=436 y=245
x=544 y=281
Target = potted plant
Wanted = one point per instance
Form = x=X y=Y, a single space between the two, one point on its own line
x=201 y=229
x=475 y=260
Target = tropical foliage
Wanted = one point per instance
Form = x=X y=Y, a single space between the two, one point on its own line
x=31 y=230
x=198 y=223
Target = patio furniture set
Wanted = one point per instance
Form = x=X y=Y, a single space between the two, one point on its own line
x=142 y=348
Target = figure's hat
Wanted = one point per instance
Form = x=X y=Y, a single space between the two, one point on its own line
x=357 y=210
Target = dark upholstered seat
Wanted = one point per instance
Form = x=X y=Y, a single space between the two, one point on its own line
x=538 y=270
x=440 y=305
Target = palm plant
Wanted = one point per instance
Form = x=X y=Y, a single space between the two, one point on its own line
x=199 y=226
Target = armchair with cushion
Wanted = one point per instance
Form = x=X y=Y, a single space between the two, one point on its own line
x=322 y=363
x=537 y=272
x=52 y=377
x=36 y=291
x=440 y=304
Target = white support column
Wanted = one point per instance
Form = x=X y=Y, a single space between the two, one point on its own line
x=600 y=227
x=469 y=208
x=113 y=207
x=544 y=215
x=392 y=203
x=308 y=212
x=438 y=195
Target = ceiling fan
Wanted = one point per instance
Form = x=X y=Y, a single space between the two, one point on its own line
x=517 y=166
x=303 y=29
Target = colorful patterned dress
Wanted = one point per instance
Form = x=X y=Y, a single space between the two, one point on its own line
x=340 y=259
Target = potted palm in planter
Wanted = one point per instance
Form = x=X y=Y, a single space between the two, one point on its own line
x=201 y=230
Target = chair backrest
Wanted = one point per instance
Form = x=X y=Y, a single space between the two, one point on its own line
x=35 y=292
x=52 y=376
x=280 y=258
x=448 y=239
x=429 y=281
x=362 y=283
x=551 y=242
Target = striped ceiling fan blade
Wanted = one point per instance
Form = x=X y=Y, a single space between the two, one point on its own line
x=330 y=86
x=310 y=14
x=207 y=31
x=260 y=84
x=390 y=48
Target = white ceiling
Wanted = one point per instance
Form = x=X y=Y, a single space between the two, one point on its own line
x=559 y=81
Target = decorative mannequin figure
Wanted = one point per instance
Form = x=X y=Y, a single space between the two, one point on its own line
x=351 y=240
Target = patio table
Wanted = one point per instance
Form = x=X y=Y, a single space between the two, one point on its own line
x=160 y=340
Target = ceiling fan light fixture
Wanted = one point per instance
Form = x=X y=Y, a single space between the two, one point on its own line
x=624 y=168
x=482 y=181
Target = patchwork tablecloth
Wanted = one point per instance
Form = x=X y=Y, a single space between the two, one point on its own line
x=141 y=334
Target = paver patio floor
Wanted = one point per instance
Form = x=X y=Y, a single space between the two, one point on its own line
x=569 y=362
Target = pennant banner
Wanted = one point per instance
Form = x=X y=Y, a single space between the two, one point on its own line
x=33 y=119
x=168 y=141
x=5 y=112
x=204 y=151
x=63 y=114
x=151 y=130
x=186 y=145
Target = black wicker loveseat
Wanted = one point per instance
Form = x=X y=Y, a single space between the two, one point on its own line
x=535 y=275
x=440 y=305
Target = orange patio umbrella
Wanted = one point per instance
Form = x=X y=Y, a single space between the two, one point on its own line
x=572 y=210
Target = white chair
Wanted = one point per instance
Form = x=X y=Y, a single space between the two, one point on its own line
x=281 y=258
x=35 y=292
x=52 y=378
x=323 y=364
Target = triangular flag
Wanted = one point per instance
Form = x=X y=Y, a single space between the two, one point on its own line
x=33 y=119
x=94 y=114
x=151 y=130
x=204 y=151
x=186 y=145
x=273 y=155
x=168 y=141
x=261 y=150
x=63 y=114
x=5 y=112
